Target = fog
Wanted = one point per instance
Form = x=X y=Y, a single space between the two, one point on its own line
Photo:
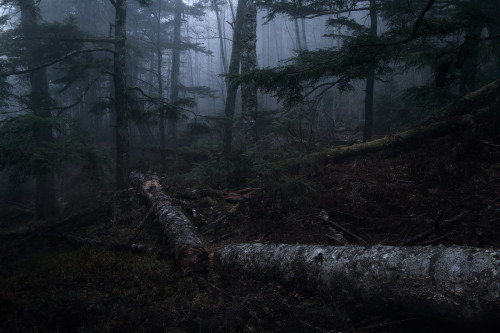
x=141 y=81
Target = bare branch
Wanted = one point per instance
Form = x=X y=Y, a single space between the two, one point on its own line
x=55 y=61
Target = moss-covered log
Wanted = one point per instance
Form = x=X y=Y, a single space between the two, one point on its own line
x=486 y=98
x=457 y=283
x=457 y=116
x=411 y=138
x=179 y=232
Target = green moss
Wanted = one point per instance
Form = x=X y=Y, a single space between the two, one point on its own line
x=208 y=202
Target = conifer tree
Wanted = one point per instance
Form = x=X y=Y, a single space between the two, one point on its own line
x=446 y=36
x=40 y=102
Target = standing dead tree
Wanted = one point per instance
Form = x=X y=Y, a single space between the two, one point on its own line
x=456 y=283
x=179 y=232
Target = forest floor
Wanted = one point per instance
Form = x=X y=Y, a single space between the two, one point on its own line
x=446 y=191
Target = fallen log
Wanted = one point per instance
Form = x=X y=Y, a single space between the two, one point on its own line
x=464 y=113
x=411 y=138
x=457 y=283
x=179 y=232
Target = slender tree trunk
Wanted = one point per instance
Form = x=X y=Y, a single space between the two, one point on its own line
x=159 y=77
x=173 y=113
x=161 y=124
x=221 y=35
x=159 y=67
x=248 y=63
x=297 y=33
x=456 y=283
x=121 y=103
x=234 y=68
x=304 y=38
x=370 y=78
x=40 y=103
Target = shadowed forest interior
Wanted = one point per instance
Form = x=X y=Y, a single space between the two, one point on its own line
x=249 y=166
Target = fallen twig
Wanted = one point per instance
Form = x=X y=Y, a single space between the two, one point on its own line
x=141 y=225
x=430 y=241
x=325 y=219
x=489 y=144
x=336 y=239
x=434 y=228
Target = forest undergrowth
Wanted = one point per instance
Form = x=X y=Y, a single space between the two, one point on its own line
x=445 y=191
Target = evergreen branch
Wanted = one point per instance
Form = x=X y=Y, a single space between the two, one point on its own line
x=383 y=46
x=414 y=31
x=307 y=11
x=420 y=19
x=149 y=97
x=80 y=40
x=55 y=61
x=155 y=99
x=80 y=98
x=147 y=82
x=484 y=39
x=328 y=86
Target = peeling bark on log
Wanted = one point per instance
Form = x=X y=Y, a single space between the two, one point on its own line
x=179 y=233
x=457 y=284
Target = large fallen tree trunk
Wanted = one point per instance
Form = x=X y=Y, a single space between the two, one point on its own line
x=454 y=283
x=179 y=232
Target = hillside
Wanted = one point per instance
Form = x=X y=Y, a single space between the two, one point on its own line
x=443 y=190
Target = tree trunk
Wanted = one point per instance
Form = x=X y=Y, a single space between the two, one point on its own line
x=449 y=283
x=161 y=123
x=159 y=68
x=221 y=36
x=179 y=233
x=370 y=78
x=297 y=33
x=173 y=113
x=40 y=103
x=121 y=103
x=304 y=34
x=234 y=68
x=248 y=63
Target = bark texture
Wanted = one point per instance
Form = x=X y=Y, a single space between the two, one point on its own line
x=249 y=108
x=460 y=284
x=234 y=69
x=121 y=102
x=179 y=232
